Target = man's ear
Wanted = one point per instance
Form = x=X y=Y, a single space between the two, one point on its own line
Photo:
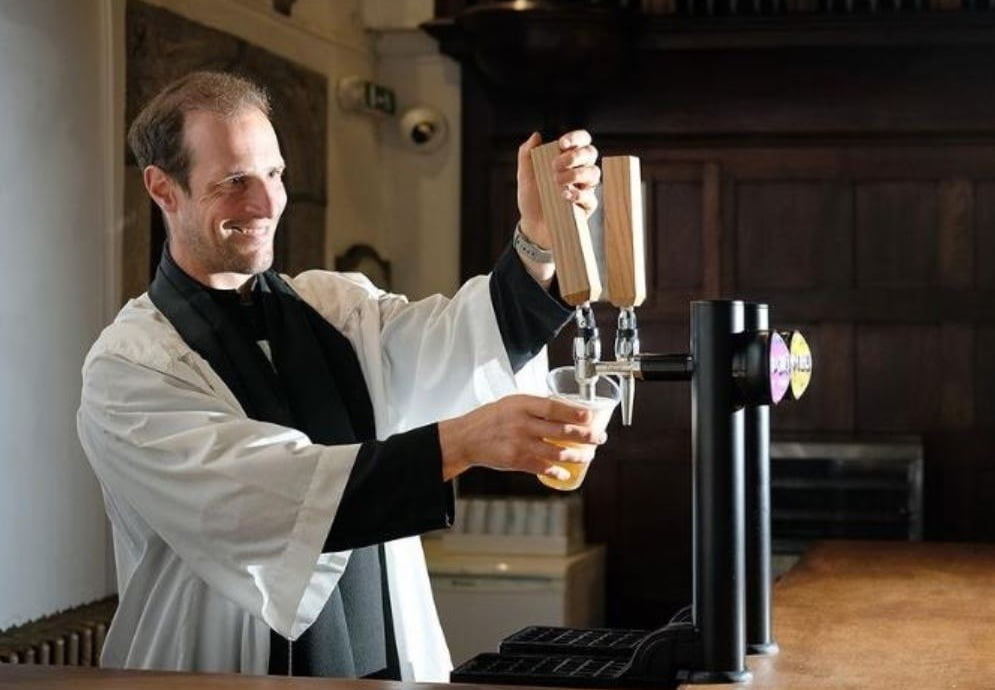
x=161 y=187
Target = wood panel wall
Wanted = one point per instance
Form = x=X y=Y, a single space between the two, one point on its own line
x=850 y=187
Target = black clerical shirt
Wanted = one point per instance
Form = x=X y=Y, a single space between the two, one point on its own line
x=395 y=488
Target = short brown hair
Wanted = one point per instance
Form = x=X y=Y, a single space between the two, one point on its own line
x=156 y=135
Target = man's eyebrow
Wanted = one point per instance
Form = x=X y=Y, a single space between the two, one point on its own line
x=238 y=172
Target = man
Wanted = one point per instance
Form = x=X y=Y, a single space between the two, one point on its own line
x=268 y=446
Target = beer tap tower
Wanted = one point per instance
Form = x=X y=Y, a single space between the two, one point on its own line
x=737 y=368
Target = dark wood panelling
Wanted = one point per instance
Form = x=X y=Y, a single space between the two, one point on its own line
x=800 y=91
x=914 y=378
x=297 y=245
x=956 y=233
x=897 y=377
x=985 y=234
x=896 y=234
x=891 y=305
x=984 y=368
x=959 y=473
x=478 y=151
x=794 y=235
x=676 y=246
x=717 y=260
x=505 y=210
x=871 y=158
x=957 y=379
x=983 y=495
x=651 y=553
x=850 y=188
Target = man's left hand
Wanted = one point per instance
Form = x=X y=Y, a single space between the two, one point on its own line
x=575 y=172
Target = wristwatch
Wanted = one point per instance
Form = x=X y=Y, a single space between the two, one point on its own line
x=529 y=249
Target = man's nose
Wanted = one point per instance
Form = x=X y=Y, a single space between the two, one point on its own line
x=265 y=199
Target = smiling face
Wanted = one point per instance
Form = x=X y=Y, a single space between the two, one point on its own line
x=221 y=231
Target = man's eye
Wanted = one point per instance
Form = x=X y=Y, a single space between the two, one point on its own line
x=237 y=181
x=277 y=174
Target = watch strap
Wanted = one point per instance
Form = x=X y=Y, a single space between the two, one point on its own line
x=529 y=249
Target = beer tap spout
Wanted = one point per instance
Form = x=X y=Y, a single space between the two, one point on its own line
x=626 y=353
x=586 y=350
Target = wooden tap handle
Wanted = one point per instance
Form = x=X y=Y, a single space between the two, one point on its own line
x=576 y=267
x=622 y=197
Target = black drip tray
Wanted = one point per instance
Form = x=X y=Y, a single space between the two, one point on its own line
x=533 y=669
x=592 y=642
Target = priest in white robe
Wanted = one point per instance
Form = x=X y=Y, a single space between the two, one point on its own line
x=268 y=447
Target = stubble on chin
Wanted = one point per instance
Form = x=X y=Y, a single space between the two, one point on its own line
x=258 y=262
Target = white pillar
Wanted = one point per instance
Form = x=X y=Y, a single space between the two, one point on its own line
x=56 y=194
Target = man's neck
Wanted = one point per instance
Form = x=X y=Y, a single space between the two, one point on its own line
x=215 y=281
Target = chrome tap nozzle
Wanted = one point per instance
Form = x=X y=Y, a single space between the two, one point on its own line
x=586 y=350
x=627 y=351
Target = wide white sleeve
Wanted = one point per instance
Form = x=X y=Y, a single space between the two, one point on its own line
x=246 y=504
x=443 y=357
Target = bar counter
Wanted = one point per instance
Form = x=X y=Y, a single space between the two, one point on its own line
x=876 y=615
x=884 y=615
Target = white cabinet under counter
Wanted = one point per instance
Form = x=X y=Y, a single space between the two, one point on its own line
x=484 y=597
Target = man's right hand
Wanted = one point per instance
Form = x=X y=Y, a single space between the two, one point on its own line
x=508 y=435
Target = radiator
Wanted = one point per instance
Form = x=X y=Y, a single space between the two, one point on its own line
x=71 y=638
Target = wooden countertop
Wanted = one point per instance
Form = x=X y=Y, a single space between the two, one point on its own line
x=878 y=615
x=884 y=615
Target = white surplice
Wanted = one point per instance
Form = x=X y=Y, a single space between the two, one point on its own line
x=219 y=520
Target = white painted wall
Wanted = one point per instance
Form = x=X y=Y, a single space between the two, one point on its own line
x=384 y=15
x=55 y=206
x=421 y=190
x=61 y=118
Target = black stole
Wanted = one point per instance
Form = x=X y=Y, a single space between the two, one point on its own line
x=314 y=384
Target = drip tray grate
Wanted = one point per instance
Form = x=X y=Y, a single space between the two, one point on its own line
x=531 y=669
x=593 y=642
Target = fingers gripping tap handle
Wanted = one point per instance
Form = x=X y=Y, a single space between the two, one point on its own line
x=576 y=267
